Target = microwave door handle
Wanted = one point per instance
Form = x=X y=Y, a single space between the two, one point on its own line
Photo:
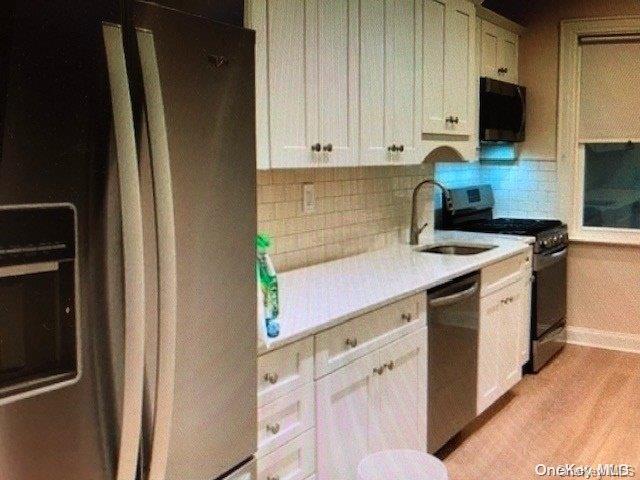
x=166 y=241
x=132 y=249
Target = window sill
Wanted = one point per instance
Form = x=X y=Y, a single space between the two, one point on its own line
x=630 y=238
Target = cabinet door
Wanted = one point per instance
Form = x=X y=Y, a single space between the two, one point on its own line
x=288 y=31
x=345 y=409
x=511 y=328
x=459 y=86
x=433 y=67
x=403 y=72
x=387 y=81
x=525 y=331
x=401 y=422
x=337 y=73
x=491 y=50
x=489 y=344
x=508 y=57
x=376 y=85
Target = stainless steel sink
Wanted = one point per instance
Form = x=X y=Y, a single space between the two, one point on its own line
x=456 y=249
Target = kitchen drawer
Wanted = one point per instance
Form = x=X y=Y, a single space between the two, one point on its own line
x=503 y=273
x=294 y=461
x=284 y=370
x=285 y=418
x=341 y=345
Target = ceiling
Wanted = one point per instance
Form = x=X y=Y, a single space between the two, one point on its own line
x=515 y=10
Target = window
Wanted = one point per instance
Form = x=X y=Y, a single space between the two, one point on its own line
x=611 y=196
x=599 y=129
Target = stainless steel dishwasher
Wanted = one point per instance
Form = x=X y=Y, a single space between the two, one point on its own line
x=453 y=314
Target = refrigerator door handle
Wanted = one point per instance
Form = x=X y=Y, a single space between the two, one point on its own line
x=132 y=245
x=166 y=251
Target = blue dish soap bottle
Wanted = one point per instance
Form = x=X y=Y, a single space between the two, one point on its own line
x=268 y=282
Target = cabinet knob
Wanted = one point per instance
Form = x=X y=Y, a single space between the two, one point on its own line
x=401 y=148
x=456 y=120
x=379 y=370
x=328 y=147
x=407 y=317
x=273 y=428
x=392 y=148
x=391 y=365
x=349 y=342
x=316 y=147
x=271 y=378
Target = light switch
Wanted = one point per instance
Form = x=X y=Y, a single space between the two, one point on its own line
x=308 y=198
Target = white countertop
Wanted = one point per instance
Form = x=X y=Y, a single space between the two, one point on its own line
x=321 y=296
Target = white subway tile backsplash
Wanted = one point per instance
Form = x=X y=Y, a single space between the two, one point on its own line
x=357 y=210
x=526 y=188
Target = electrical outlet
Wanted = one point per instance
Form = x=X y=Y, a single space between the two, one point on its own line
x=308 y=198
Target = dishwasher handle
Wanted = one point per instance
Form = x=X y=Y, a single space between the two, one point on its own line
x=455 y=297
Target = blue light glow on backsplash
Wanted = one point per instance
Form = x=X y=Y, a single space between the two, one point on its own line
x=498 y=152
x=522 y=188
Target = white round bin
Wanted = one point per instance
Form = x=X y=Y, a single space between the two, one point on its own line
x=401 y=465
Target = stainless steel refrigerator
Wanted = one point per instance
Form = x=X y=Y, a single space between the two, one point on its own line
x=127 y=254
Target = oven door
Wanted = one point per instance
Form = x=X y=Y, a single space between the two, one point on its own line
x=550 y=291
x=38 y=329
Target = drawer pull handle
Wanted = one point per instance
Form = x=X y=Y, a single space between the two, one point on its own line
x=272 y=378
x=353 y=343
x=274 y=429
x=379 y=370
x=407 y=317
x=391 y=365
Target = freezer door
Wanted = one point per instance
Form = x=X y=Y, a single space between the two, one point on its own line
x=197 y=79
x=59 y=145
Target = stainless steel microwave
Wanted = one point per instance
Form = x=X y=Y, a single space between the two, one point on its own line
x=502 y=111
x=39 y=338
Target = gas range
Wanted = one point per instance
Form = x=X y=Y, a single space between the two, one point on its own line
x=549 y=234
x=471 y=209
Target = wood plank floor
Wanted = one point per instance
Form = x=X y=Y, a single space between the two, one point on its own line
x=583 y=408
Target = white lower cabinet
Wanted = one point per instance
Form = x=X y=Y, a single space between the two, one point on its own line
x=499 y=343
x=285 y=419
x=293 y=461
x=376 y=402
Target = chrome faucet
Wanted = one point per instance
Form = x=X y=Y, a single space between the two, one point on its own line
x=415 y=230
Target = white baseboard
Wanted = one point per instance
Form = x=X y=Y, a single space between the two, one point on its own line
x=589 y=337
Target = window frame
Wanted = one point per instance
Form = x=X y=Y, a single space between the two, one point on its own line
x=570 y=148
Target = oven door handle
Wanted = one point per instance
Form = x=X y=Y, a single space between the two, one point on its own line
x=133 y=254
x=28 y=269
x=545 y=260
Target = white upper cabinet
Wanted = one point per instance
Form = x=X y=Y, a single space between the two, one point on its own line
x=306 y=82
x=388 y=81
x=449 y=74
x=499 y=53
x=337 y=54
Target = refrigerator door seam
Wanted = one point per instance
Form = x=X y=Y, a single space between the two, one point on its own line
x=166 y=251
x=132 y=239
